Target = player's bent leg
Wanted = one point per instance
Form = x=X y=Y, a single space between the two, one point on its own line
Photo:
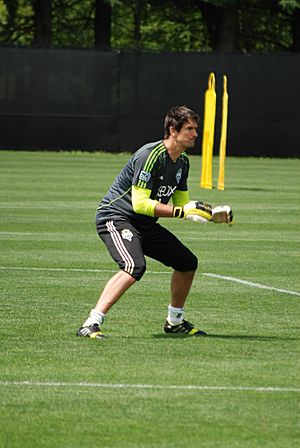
x=124 y=244
x=165 y=247
x=113 y=290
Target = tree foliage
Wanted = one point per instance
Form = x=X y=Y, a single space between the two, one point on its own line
x=153 y=25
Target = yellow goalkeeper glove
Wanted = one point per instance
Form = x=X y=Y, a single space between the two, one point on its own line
x=194 y=211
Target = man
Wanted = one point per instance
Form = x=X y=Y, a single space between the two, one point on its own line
x=127 y=217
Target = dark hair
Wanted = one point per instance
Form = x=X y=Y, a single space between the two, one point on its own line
x=176 y=117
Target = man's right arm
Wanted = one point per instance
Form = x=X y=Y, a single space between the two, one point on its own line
x=143 y=205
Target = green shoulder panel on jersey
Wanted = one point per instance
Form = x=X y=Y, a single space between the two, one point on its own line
x=184 y=157
x=152 y=158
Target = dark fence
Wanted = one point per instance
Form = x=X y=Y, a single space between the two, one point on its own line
x=116 y=101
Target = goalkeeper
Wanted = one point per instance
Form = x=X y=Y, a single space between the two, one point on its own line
x=126 y=221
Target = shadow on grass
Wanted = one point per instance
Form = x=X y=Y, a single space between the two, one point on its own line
x=249 y=189
x=226 y=336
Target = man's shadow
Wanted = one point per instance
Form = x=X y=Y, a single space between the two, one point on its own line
x=226 y=336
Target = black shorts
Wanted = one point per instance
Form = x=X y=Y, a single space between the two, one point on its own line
x=128 y=246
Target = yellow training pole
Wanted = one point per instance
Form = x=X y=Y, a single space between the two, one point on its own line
x=208 y=133
x=222 y=151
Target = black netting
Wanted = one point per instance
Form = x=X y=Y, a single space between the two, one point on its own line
x=92 y=100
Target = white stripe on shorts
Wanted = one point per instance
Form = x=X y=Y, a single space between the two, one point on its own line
x=119 y=245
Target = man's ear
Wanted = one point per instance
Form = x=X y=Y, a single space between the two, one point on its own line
x=173 y=131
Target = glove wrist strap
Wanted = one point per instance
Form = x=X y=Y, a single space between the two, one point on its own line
x=178 y=212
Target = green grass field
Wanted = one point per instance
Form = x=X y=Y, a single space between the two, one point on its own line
x=238 y=387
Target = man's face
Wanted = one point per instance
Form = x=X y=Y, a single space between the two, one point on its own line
x=187 y=135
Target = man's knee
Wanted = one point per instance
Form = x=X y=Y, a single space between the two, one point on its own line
x=193 y=263
x=139 y=270
x=186 y=264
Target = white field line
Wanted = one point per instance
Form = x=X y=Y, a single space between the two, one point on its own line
x=150 y=386
x=207 y=274
x=247 y=283
x=20 y=268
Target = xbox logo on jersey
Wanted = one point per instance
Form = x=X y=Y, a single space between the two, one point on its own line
x=165 y=190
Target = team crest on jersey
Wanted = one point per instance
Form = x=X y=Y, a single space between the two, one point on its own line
x=178 y=175
x=127 y=234
x=144 y=176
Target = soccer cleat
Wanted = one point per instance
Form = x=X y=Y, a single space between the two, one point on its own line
x=184 y=328
x=91 y=331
